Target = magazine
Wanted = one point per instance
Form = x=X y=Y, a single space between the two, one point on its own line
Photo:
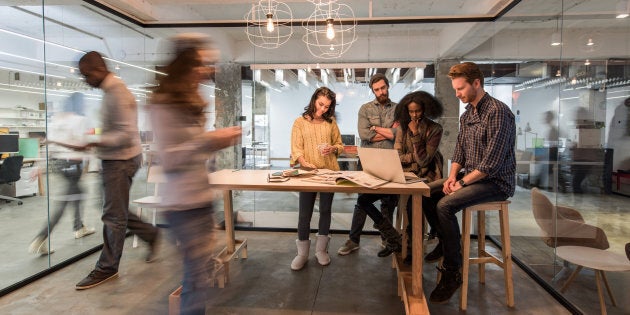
x=347 y=178
x=283 y=176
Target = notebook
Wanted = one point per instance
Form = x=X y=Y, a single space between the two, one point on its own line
x=385 y=164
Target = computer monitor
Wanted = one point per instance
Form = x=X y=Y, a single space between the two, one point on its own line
x=9 y=143
x=347 y=139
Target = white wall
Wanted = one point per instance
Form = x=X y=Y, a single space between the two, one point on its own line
x=286 y=106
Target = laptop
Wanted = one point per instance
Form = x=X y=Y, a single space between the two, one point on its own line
x=385 y=164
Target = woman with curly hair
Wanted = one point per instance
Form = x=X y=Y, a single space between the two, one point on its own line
x=417 y=142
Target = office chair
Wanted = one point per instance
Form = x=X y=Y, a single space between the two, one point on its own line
x=155 y=176
x=564 y=226
x=10 y=173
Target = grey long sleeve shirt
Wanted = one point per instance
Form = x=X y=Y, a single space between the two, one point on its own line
x=120 y=139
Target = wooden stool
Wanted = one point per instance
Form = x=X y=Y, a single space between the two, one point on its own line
x=484 y=257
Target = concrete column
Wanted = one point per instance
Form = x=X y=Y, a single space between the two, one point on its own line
x=259 y=108
x=228 y=108
x=450 y=119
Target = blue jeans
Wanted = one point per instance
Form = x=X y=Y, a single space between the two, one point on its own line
x=117 y=177
x=193 y=229
x=440 y=210
x=307 y=203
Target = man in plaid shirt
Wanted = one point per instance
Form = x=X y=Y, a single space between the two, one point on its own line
x=482 y=170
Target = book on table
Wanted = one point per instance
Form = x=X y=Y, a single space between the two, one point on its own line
x=285 y=175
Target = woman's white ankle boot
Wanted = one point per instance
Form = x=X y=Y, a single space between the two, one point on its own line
x=302 y=254
x=321 y=250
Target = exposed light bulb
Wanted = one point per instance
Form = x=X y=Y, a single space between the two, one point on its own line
x=332 y=47
x=330 y=31
x=269 y=22
x=590 y=42
x=558 y=73
x=587 y=62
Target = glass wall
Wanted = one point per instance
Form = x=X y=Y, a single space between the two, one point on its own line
x=571 y=118
x=562 y=66
x=43 y=96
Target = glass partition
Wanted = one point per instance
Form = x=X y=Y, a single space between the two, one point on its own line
x=569 y=99
x=23 y=104
x=43 y=97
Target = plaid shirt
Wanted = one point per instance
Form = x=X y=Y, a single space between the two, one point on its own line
x=486 y=142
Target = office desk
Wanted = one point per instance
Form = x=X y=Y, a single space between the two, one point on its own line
x=23 y=187
x=555 y=165
x=256 y=180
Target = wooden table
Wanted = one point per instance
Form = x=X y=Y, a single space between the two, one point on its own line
x=598 y=260
x=256 y=180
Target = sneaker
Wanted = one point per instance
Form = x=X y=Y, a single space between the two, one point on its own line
x=348 y=248
x=38 y=246
x=84 y=231
x=153 y=249
x=434 y=255
x=450 y=281
x=389 y=249
x=95 y=278
x=384 y=252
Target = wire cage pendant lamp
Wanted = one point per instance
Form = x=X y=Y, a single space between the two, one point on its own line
x=269 y=24
x=330 y=29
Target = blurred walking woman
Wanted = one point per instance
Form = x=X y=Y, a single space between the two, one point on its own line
x=417 y=141
x=177 y=115
x=315 y=143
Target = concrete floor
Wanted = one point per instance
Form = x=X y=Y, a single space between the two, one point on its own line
x=360 y=283
x=273 y=252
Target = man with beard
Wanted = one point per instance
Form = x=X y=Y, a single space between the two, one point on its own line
x=377 y=130
x=485 y=153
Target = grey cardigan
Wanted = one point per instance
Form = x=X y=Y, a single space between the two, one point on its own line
x=184 y=148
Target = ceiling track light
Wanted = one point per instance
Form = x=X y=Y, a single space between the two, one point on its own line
x=622 y=9
x=556 y=39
